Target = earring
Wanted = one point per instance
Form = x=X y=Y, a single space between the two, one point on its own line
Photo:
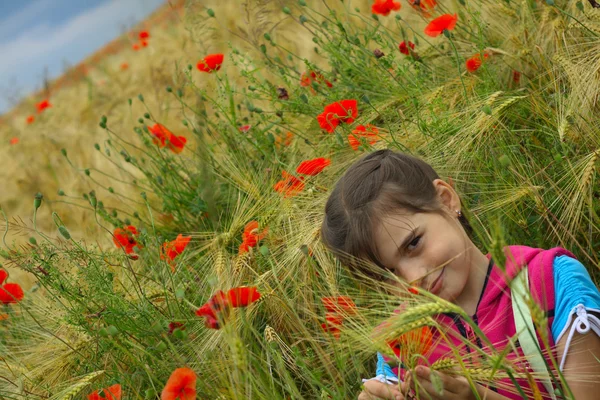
x=459 y=213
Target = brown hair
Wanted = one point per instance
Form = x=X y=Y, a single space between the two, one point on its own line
x=374 y=186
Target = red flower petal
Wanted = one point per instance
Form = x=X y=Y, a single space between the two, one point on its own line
x=180 y=386
x=384 y=7
x=144 y=35
x=243 y=296
x=441 y=23
x=210 y=63
x=403 y=47
x=290 y=185
x=313 y=167
x=339 y=304
x=30 y=119
x=42 y=105
x=473 y=63
x=334 y=113
x=11 y=293
x=3 y=276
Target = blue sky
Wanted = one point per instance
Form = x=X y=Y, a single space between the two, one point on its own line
x=35 y=34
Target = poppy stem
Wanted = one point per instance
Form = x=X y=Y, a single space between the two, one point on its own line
x=458 y=67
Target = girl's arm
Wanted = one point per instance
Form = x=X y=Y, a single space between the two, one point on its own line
x=582 y=365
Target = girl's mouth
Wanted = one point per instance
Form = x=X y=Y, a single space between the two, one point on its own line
x=436 y=285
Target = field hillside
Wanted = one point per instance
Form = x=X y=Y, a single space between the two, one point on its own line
x=162 y=201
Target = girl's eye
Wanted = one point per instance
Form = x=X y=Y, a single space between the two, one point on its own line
x=414 y=242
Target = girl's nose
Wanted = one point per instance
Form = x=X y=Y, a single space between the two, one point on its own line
x=415 y=275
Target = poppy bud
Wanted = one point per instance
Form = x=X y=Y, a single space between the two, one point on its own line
x=378 y=53
x=267 y=36
x=286 y=10
x=146 y=115
x=112 y=330
x=33 y=241
x=487 y=109
x=141 y=97
x=169 y=89
x=103 y=332
x=150 y=394
x=61 y=192
x=97 y=146
x=64 y=232
x=161 y=346
x=87 y=171
x=210 y=12
x=179 y=93
x=64 y=152
x=303 y=19
x=302 y=3
x=504 y=160
x=37 y=201
x=282 y=94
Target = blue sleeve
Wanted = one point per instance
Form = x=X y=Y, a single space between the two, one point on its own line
x=384 y=369
x=572 y=287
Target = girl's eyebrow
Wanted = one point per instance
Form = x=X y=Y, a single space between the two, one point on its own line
x=408 y=239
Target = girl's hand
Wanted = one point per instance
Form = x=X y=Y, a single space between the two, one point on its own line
x=454 y=387
x=375 y=390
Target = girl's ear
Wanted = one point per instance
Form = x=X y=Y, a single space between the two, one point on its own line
x=447 y=195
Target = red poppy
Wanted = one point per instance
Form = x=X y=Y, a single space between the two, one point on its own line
x=144 y=43
x=290 y=185
x=313 y=167
x=339 y=304
x=11 y=293
x=334 y=113
x=440 y=24
x=369 y=132
x=124 y=66
x=384 y=7
x=281 y=141
x=332 y=324
x=30 y=119
x=42 y=105
x=3 y=276
x=136 y=47
x=172 y=249
x=175 y=325
x=218 y=307
x=210 y=63
x=14 y=140
x=516 y=76
x=111 y=393
x=160 y=133
x=180 y=386
x=250 y=236
x=404 y=47
x=474 y=62
x=424 y=6
x=125 y=238
x=245 y=128
x=176 y=143
x=215 y=310
x=417 y=341
x=308 y=78
x=144 y=35
x=163 y=137
x=243 y=296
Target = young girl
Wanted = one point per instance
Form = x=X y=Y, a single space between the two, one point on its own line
x=394 y=210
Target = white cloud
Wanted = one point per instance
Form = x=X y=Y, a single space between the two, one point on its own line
x=24 y=17
x=41 y=40
x=24 y=56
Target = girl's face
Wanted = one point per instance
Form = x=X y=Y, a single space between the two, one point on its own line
x=426 y=249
